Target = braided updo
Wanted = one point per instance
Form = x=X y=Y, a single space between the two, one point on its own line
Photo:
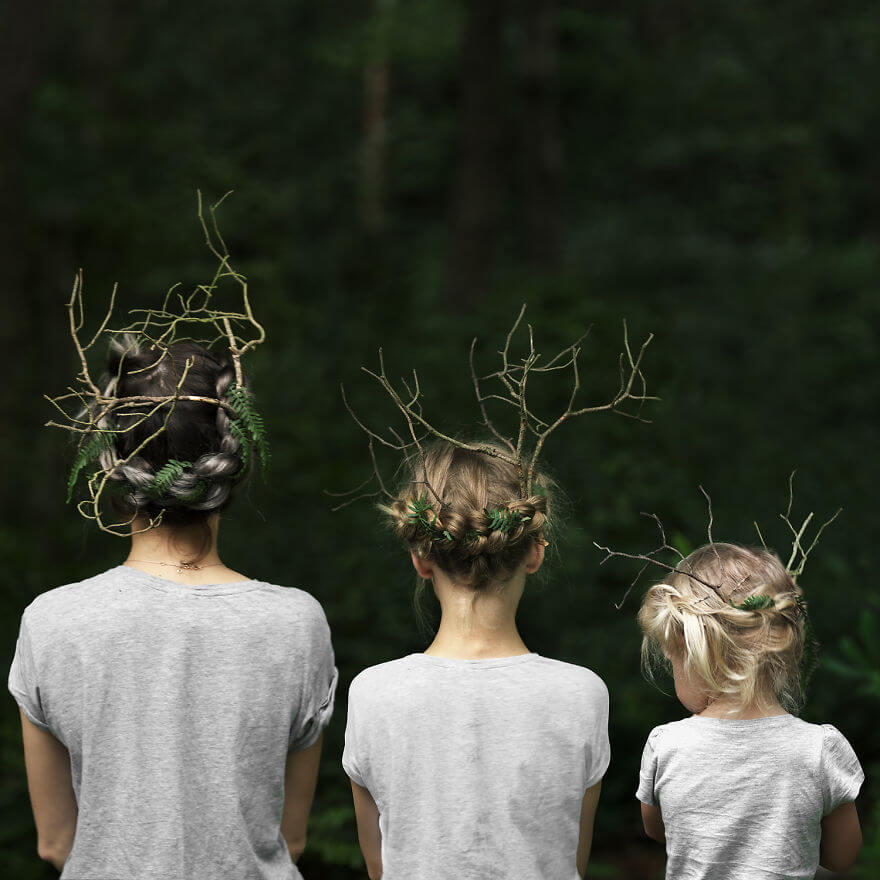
x=744 y=639
x=483 y=529
x=197 y=434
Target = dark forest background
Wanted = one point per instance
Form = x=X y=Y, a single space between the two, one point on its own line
x=407 y=174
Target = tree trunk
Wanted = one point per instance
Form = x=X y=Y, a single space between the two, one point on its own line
x=476 y=195
x=377 y=80
x=539 y=133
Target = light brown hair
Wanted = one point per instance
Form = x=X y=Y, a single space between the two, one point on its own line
x=462 y=488
x=745 y=655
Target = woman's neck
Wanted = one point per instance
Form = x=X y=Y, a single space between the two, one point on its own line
x=477 y=625
x=186 y=555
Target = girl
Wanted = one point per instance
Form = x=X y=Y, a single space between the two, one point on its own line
x=476 y=759
x=172 y=708
x=742 y=789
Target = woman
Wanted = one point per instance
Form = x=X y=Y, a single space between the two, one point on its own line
x=172 y=708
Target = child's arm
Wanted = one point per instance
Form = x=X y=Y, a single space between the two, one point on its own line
x=51 y=789
x=369 y=835
x=588 y=813
x=652 y=819
x=300 y=777
x=841 y=839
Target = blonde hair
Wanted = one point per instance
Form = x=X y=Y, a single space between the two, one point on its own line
x=745 y=655
x=459 y=491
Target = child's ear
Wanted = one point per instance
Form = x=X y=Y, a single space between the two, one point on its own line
x=422 y=566
x=535 y=558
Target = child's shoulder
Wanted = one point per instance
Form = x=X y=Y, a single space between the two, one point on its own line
x=698 y=729
x=374 y=677
x=571 y=676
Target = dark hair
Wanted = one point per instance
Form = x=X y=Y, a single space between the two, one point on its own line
x=197 y=435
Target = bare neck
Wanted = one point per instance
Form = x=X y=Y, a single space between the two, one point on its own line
x=719 y=709
x=177 y=554
x=476 y=626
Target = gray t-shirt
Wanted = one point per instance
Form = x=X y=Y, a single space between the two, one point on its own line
x=478 y=767
x=743 y=799
x=178 y=705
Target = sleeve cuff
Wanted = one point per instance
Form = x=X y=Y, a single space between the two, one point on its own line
x=25 y=706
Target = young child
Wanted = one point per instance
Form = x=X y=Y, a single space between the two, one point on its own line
x=476 y=759
x=741 y=790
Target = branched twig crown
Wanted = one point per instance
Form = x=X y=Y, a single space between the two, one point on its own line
x=756 y=602
x=795 y=565
x=509 y=384
x=91 y=413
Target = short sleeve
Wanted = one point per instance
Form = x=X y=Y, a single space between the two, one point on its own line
x=23 y=682
x=320 y=690
x=352 y=754
x=598 y=752
x=648 y=772
x=841 y=773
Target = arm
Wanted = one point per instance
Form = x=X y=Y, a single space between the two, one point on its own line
x=652 y=819
x=369 y=835
x=51 y=789
x=841 y=839
x=588 y=813
x=300 y=778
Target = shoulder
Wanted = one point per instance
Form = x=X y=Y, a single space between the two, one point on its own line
x=60 y=602
x=579 y=683
x=375 y=683
x=294 y=600
x=671 y=734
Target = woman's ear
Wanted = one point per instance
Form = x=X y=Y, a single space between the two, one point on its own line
x=535 y=558
x=424 y=568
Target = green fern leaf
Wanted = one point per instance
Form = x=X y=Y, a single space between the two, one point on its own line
x=88 y=451
x=755 y=603
x=250 y=422
x=165 y=476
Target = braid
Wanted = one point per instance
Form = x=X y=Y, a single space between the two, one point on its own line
x=476 y=533
x=172 y=473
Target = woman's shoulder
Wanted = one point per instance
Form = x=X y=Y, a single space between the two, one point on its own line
x=67 y=598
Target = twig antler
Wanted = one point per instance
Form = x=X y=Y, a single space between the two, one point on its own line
x=650 y=558
x=794 y=565
x=89 y=413
x=521 y=448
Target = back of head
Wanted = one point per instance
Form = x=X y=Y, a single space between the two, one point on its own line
x=185 y=455
x=462 y=510
x=734 y=615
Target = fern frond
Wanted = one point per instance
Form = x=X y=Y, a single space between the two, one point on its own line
x=755 y=603
x=88 y=451
x=250 y=422
x=165 y=476
x=504 y=520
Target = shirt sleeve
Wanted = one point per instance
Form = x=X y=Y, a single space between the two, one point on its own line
x=647 y=773
x=320 y=690
x=841 y=773
x=23 y=682
x=598 y=752
x=352 y=757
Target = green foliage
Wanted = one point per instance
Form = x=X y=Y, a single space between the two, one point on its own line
x=171 y=471
x=421 y=515
x=88 y=451
x=857 y=658
x=754 y=603
x=248 y=425
x=504 y=520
